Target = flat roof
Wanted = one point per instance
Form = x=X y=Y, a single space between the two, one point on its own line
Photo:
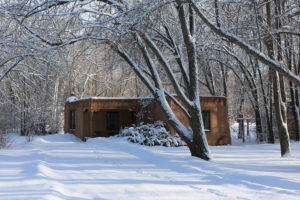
x=129 y=98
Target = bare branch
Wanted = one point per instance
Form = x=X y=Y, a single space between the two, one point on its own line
x=249 y=49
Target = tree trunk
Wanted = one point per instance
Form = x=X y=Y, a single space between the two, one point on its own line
x=210 y=80
x=280 y=110
x=199 y=146
x=197 y=150
x=222 y=68
x=269 y=130
x=295 y=109
x=258 y=122
x=241 y=127
x=292 y=66
x=270 y=48
x=259 y=131
x=297 y=120
x=298 y=117
x=271 y=138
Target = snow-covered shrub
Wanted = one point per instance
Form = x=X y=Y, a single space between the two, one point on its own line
x=151 y=135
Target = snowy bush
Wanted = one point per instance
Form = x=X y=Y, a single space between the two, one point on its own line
x=151 y=135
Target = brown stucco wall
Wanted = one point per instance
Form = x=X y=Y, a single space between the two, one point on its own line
x=219 y=133
x=91 y=116
x=78 y=107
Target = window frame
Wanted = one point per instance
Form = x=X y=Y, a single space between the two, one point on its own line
x=207 y=125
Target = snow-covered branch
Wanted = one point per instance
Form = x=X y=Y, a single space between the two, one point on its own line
x=168 y=70
x=249 y=49
x=10 y=68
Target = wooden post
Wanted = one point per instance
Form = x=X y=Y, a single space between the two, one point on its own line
x=241 y=126
x=248 y=128
x=91 y=123
x=243 y=132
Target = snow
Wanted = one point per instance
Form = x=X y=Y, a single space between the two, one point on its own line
x=151 y=135
x=251 y=139
x=115 y=98
x=71 y=99
x=61 y=166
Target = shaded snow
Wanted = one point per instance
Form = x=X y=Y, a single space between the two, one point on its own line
x=63 y=167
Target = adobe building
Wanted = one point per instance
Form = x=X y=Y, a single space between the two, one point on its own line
x=105 y=116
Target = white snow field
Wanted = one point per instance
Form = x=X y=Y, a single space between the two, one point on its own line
x=63 y=167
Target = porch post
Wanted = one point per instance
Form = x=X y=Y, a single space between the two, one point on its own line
x=91 y=123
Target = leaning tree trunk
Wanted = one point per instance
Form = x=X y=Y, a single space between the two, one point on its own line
x=279 y=88
x=194 y=136
x=198 y=146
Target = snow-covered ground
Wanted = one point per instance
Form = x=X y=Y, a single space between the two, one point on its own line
x=62 y=167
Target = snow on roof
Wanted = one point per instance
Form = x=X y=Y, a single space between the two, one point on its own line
x=72 y=98
x=203 y=96
x=114 y=98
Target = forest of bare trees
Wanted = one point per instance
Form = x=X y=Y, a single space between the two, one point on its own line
x=248 y=51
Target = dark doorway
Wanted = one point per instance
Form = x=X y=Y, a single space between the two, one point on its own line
x=112 y=121
x=86 y=123
x=72 y=119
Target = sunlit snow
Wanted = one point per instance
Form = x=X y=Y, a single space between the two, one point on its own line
x=63 y=167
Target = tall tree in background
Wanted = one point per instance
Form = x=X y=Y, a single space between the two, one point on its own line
x=276 y=64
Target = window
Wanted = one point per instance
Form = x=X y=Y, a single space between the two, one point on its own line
x=72 y=119
x=206 y=119
x=112 y=121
